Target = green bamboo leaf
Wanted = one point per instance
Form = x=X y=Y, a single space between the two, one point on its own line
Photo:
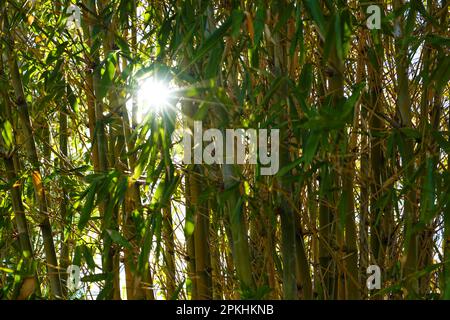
x=214 y=62
x=273 y=89
x=258 y=23
x=306 y=79
x=237 y=212
x=330 y=40
x=95 y=277
x=175 y=295
x=7 y=134
x=286 y=169
x=146 y=248
x=441 y=74
x=443 y=142
x=88 y=207
x=119 y=239
x=298 y=38
x=169 y=190
x=88 y=257
x=411 y=133
x=123 y=45
x=339 y=34
x=237 y=16
x=72 y=98
x=202 y=111
x=428 y=194
x=349 y=104
x=107 y=75
x=342 y=211
x=284 y=15
x=215 y=38
x=77 y=256
x=437 y=41
x=314 y=10
x=311 y=146
x=7 y=270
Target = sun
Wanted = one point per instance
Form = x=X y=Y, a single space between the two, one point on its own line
x=153 y=94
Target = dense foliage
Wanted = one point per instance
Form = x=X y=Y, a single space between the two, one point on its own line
x=88 y=177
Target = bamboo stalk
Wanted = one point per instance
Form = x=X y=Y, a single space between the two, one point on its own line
x=40 y=192
x=410 y=257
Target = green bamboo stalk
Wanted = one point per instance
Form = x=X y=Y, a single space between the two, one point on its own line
x=103 y=165
x=40 y=192
x=16 y=195
x=410 y=265
x=65 y=246
x=169 y=252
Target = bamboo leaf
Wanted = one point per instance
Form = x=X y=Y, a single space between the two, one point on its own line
x=94 y=277
x=119 y=239
x=88 y=257
x=258 y=23
x=87 y=208
x=313 y=8
x=7 y=134
x=215 y=38
x=237 y=17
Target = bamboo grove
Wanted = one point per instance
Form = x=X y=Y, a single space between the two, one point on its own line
x=364 y=174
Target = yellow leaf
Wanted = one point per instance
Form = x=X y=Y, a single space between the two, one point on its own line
x=37 y=181
x=30 y=20
x=27 y=289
